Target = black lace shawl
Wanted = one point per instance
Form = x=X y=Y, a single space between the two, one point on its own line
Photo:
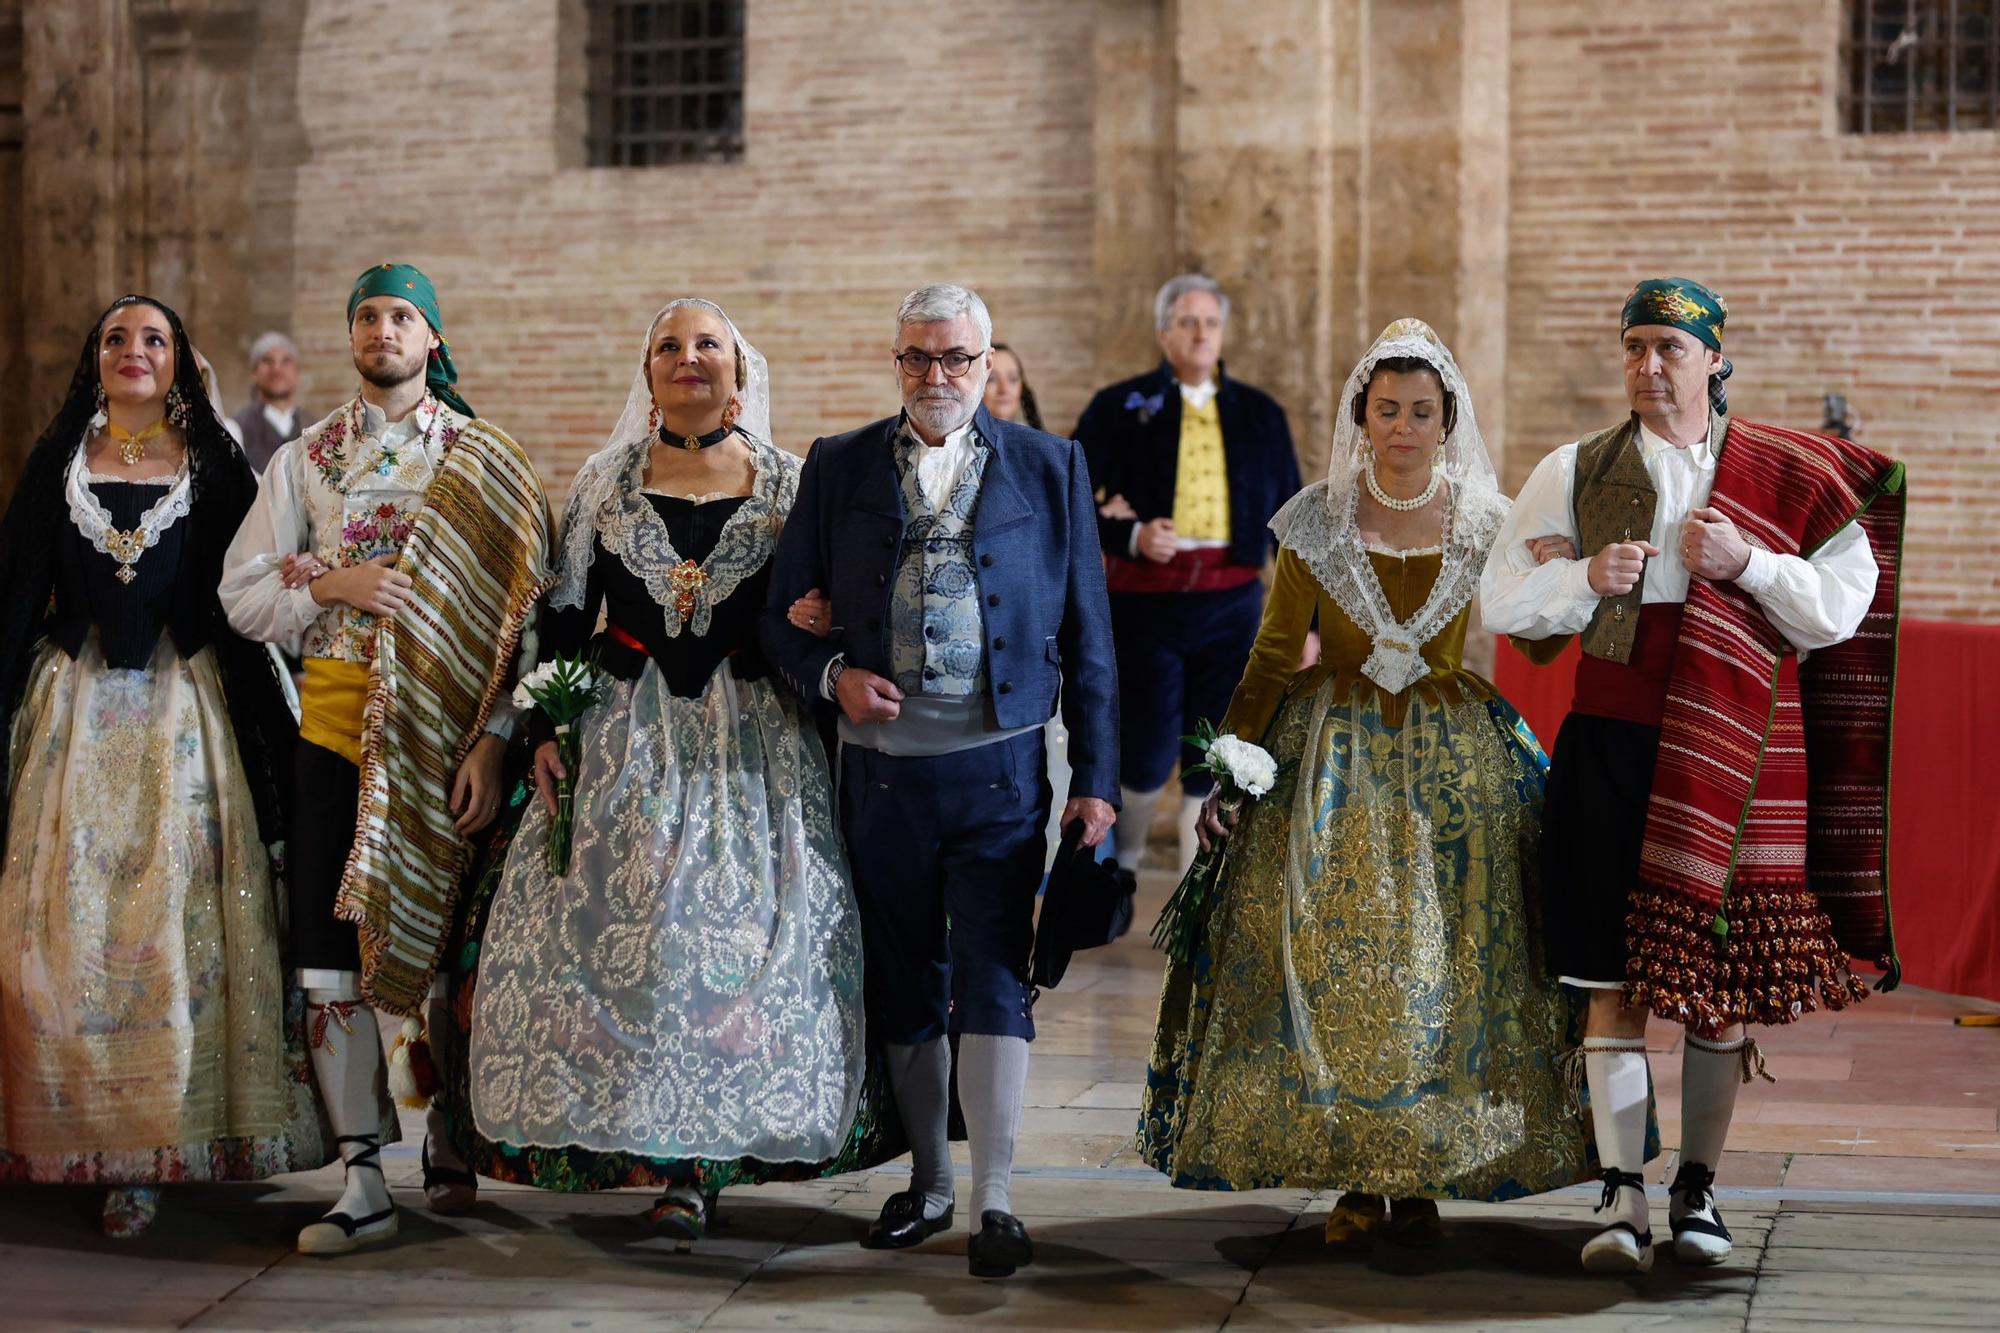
x=222 y=486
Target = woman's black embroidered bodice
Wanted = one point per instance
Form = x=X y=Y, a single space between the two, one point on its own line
x=685 y=660
x=129 y=616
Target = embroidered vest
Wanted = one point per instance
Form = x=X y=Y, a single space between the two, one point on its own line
x=937 y=632
x=1615 y=500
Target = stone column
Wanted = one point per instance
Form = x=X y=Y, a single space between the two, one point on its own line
x=75 y=63
x=1254 y=155
x=1336 y=164
x=16 y=432
x=135 y=173
x=194 y=170
x=1133 y=245
x=1434 y=192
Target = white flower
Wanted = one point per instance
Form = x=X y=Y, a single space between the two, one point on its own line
x=538 y=679
x=1247 y=767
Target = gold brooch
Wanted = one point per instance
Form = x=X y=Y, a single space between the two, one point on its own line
x=687 y=579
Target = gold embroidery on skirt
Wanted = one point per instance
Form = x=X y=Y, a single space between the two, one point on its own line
x=1371 y=1011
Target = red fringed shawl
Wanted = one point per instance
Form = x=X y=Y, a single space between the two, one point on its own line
x=1765 y=863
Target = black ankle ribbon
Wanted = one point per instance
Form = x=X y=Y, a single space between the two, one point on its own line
x=1614 y=1180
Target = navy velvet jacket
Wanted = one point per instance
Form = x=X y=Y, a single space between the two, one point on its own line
x=1041 y=581
x=1131 y=433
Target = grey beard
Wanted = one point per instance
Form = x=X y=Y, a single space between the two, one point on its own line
x=940 y=414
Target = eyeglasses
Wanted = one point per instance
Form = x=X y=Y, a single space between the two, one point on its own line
x=917 y=365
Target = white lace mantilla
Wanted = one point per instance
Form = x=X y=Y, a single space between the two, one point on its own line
x=1319 y=527
x=608 y=501
x=93 y=520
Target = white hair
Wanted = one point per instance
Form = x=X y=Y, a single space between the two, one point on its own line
x=941 y=301
x=268 y=343
x=1175 y=288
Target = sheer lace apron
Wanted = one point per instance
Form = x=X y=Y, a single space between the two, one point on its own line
x=142 y=1009
x=692 y=988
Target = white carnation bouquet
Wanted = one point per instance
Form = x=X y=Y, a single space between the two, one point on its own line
x=563 y=688
x=1242 y=772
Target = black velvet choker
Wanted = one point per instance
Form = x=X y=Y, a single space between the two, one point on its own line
x=692 y=443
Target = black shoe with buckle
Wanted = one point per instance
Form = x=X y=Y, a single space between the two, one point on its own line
x=1001 y=1246
x=902 y=1223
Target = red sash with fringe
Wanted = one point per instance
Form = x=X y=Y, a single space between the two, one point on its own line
x=1765 y=862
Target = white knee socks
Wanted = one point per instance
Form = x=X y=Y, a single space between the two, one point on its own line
x=1711 y=1072
x=1190 y=841
x=920 y=1076
x=1615 y=1069
x=1133 y=822
x=992 y=1077
x=347 y=1059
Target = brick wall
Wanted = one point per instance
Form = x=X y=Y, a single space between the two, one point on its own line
x=887 y=146
x=1701 y=138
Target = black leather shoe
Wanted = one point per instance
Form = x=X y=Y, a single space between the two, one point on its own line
x=1001 y=1246
x=902 y=1223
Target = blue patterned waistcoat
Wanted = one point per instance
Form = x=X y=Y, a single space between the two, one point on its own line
x=937 y=633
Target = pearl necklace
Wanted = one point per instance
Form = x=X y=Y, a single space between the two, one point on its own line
x=1388 y=501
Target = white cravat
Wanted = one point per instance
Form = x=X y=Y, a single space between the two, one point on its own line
x=1198 y=396
x=940 y=466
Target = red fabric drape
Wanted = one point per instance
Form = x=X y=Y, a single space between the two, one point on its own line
x=1944 y=802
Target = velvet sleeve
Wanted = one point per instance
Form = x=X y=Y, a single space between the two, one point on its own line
x=1288 y=616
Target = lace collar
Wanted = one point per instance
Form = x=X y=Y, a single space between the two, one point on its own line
x=608 y=503
x=93 y=520
x=1321 y=530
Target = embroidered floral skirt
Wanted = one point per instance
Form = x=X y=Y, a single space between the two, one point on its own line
x=1367 y=1009
x=685 y=1004
x=144 y=1032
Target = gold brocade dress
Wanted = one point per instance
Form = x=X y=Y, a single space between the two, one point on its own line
x=1367 y=1008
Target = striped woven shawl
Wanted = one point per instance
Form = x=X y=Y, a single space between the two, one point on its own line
x=478 y=557
x=1765 y=862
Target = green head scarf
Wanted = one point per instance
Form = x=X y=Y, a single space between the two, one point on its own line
x=1678 y=303
x=409 y=282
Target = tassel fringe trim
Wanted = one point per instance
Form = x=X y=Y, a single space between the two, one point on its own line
x=413 y=1078
x=1774 y=962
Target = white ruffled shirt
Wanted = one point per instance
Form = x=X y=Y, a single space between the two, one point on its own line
x=1814 y=602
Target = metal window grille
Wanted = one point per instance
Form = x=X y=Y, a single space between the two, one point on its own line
x=1912 y=65
x=665 y=82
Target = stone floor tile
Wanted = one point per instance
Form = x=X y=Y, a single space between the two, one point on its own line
x=1970 y=1119
x=1901 y=1174
x=1123 y=1096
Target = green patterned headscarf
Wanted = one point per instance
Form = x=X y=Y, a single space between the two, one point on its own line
x=409 y=282
x=1678 y=303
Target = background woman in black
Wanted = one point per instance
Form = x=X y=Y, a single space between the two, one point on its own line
x=141 y=999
